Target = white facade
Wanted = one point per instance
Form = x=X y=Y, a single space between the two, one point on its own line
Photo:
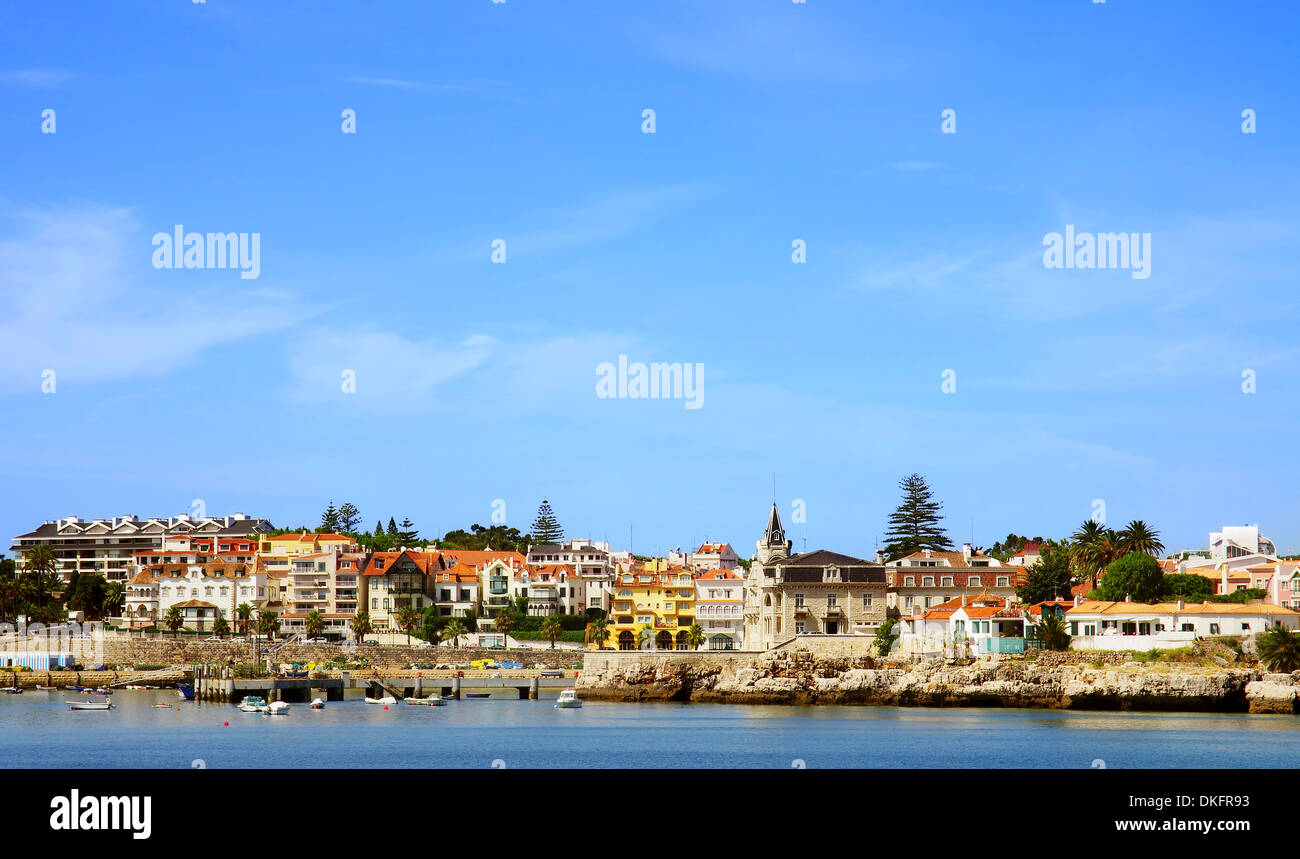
x=1238 y=540
x=106 y=546
x=720 y=609
x=1132 y=625
x=714 y=556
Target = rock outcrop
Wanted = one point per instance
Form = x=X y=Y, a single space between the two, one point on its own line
x=803 y=678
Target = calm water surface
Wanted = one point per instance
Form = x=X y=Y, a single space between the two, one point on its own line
x=38 y=730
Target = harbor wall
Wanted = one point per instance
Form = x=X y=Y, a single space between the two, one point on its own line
x=120 y=650
x=802 y=677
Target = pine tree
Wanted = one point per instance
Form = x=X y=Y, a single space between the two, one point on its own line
x=915 y=525
x=379 y=528
x=407 y=532
x=349 y=518
x=392 y=527
x=329 y=520
x=546 y=528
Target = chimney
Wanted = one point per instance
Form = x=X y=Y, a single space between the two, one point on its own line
x=927 y=553
x=880 y=556
x=1077 y=599
x=1126 y=599
x=966 y=549
x=1180 y=605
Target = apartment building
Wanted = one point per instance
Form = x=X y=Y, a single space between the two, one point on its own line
x=396 y=581
x=591 y=567
x=927 y=578
x=107 y=547
x=652 y=608
x=720 y=608
x=714 y=556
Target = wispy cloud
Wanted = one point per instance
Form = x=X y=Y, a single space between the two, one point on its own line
x=73 y=298
x=38 y=78
x=603 y=218
x=402 y=83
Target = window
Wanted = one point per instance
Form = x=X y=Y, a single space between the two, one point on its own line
x=909 y=581
x=798 y=600
x=973 y=581
x=927 y=581
x=1245 y=627
x=831 y=601
x=1214 y=629
x=946 y=581
x=908 y=601
x=1004 y=581
x=798 y=627
x=866 y=600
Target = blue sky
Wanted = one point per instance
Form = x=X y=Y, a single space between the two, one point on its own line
x=774 y=121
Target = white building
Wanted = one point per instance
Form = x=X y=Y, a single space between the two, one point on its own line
x=106 y=546
x=714 y=556
x=1236 y=541
x=720 y=609
x=1098 y=625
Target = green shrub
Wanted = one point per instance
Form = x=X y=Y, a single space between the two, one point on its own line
x=573 y=635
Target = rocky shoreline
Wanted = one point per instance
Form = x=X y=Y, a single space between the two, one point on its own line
x=804 y=678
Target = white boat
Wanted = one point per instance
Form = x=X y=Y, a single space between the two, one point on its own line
x=387 y=699
x=317 y=704
x=254 y=704
x=90 y=705
x=568 y=700
x=279 y=708
x=434 y=700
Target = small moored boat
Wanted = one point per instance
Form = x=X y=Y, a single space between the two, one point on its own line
x=279 y=708
x=387 y=699
x=90 y=705
x=568 y=700
x=254 y=704
x=317 y=704
x=434 y=700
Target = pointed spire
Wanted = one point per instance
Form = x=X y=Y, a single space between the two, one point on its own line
x=774 y=535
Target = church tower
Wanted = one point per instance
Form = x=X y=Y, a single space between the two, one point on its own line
x=773 y=546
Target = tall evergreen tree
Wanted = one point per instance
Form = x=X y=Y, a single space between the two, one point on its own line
x=349 y=518
x=546 y=528
x=915 y=525
x=392 y=527
x=329 y=520
x=407 y=533
x=379 y=528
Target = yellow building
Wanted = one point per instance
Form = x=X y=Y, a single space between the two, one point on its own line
x=656 y=597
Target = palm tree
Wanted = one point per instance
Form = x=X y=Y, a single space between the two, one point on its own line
x=598 y=631
x=267 y=622
x=1053 y=632
x=361 y=626
x=1137 y=536
x=695 y=636
x=552 y=628
x=114 y=598
x=174 y=620
x=505 y=622
x=645 y=634
x=1094 y=547
x=41 y=576
x=314 y=625
x=221 y=627
x=409 y=620
x=1279 y=649
x=454 y=630
x=244 y=612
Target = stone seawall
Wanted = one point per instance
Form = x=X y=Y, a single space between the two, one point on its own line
x=805 y=678
x=152 y=651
